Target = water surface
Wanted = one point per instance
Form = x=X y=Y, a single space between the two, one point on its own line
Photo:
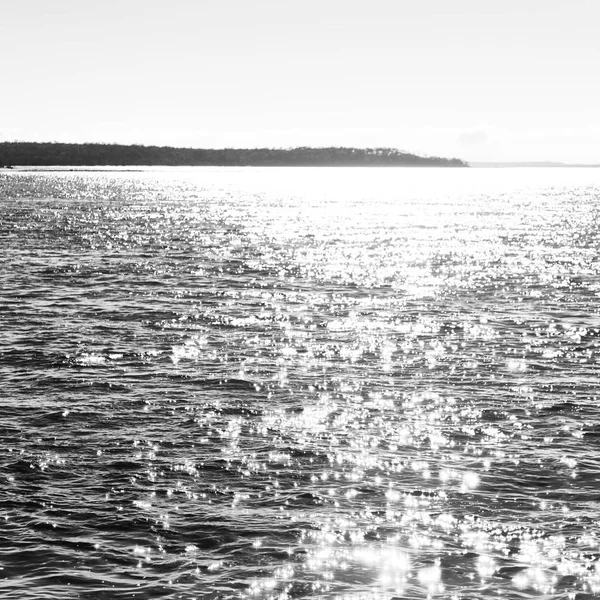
x=300 y=383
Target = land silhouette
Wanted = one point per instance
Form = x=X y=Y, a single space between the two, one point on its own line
x=42 y=154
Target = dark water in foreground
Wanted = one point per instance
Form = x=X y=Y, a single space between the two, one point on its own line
x=300 y=383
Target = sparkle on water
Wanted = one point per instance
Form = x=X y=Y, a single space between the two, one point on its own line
x=300 y=383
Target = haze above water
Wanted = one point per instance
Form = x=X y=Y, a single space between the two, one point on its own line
x=300 y=383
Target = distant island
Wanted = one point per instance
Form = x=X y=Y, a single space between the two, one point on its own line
x=40 y=154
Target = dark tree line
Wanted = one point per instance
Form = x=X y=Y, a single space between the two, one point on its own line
x=78 y=155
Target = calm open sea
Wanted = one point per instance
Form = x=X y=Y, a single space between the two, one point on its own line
x=300 y=383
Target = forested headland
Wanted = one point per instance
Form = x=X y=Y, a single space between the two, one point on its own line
x=40 y=154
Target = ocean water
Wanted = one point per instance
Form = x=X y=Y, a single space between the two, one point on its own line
x=300 y=383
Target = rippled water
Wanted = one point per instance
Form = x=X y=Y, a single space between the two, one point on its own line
x=300 y=383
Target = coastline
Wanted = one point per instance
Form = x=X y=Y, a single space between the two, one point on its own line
x=53 y=154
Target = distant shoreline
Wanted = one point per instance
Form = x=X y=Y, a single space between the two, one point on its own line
x=530 y=165
x=54 y=154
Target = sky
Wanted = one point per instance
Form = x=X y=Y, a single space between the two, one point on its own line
x=482 y=80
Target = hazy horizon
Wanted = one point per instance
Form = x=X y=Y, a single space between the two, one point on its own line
x=483 y=82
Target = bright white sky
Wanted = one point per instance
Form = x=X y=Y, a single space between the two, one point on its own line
x=477 y=79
